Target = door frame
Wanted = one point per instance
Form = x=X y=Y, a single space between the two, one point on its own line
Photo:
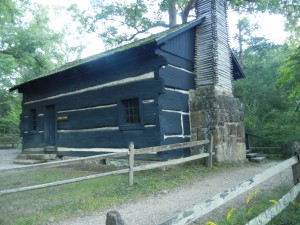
x=47 y=130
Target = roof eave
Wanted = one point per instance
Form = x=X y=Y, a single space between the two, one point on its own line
x=162 y=40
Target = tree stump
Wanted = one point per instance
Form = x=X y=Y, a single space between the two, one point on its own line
x=114 y=218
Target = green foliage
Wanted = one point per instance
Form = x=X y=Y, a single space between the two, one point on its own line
x=268 y=113
x=88 y=196
x=117 y=22
x=260 y=203
x=28 y=48
x=290 y=77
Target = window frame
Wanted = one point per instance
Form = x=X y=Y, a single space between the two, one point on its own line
x=123 y=125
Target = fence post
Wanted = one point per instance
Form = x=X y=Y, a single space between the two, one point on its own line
x=210 y=152
x=296 y=167
x=131 y=163
x=114 y=218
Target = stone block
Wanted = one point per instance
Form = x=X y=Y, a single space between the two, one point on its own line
x=218 y=135
x=225 y=114
x=233 y=129
x=219 y=117
x=198 y=119
x=240 y=130
x=202 y=134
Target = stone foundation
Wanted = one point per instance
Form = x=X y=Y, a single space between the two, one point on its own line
x=213 y=111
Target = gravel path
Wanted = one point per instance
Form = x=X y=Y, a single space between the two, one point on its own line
x=7 y=156
x=157 y=208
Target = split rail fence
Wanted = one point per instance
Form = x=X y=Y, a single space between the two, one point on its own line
x=132 y=151
x=196 y=211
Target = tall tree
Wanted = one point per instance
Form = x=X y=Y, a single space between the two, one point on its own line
x=28 y=48
x=290 y=78
x=269 y=113
x=119 y=21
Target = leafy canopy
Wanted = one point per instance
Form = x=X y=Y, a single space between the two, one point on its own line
x=28 y=48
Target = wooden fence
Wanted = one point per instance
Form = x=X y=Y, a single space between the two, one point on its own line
x=283 y=151
x=196 y=211
x=132 y=152
x=130 y=170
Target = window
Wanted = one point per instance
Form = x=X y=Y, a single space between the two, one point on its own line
x=130 y=114
x=33 y=122
x=131 y=111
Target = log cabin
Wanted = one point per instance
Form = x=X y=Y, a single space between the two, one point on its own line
x=137 y=93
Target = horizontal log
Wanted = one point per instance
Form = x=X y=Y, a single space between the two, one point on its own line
x=171 y=147
x=67 y=162
x=169 y=163
x=57 y=183
x=271 y=212
x=192 y=213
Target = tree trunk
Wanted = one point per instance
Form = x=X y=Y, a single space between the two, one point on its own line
x=172 y=13
x=185 y=13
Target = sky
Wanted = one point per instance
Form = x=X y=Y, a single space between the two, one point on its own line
x=272 y=26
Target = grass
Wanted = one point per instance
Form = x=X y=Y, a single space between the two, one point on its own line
x=61 y=202
x=258 y=202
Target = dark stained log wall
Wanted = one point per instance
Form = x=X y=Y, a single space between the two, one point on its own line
x=114 y=138
x=178 y=79
x=90 y=75
x=91 y=116
x=182 y=46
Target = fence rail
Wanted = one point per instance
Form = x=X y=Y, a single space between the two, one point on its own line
x=130 y=170
x=196 y=211
x=133 y=151
x=273 y=211
x=66 y=162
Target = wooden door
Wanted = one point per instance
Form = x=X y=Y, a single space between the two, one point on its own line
x=50 y=127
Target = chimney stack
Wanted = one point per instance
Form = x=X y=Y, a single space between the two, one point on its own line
x=212 y=57
x=214 y=113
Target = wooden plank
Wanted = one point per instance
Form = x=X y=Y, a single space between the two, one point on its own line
x=90 y=118
x=57 y=183
x=67 y=162
x=192 y=213
x=182 y=46
x=32 y=140
x=131 y=164
x=186 y=124
x=102 y=96
x=170 y=123
x=174 y=100
x=170 y=147
x=88 y=76
x=270 y=213
x=148 y=136
x=177 y=78
x=169 y=163
x=175 y=60
x=96 y=150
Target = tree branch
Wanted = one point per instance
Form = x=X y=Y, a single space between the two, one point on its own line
x=186 y=10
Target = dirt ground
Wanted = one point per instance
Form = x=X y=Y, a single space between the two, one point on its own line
x=159 y=207
x=7 y=156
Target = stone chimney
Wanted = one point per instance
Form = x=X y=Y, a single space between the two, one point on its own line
x=214 y=111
